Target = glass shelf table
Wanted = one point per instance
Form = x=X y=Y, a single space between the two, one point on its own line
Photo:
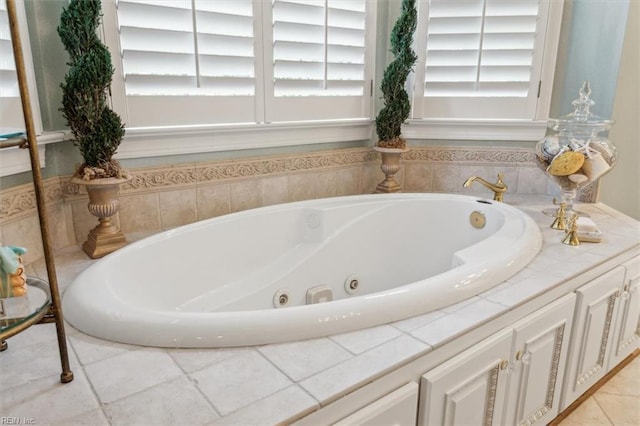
x=19 y=313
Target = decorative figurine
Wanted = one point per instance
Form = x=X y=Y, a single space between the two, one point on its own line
x=13 y=281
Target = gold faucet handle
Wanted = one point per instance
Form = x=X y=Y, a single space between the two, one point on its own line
x=499 y=188
x=572 y=232
x=560 y=222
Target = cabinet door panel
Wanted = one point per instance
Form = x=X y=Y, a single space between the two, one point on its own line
x=596 y=305
x=399 y=408
x=540 y=348
x=625 y=339
x=469 y=388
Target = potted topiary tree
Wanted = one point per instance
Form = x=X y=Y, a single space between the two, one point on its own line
x=396 y=106
x=96 y=129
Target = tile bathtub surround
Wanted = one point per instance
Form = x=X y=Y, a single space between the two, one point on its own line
x=159 y=198
x=122 y=384
x=162 y=198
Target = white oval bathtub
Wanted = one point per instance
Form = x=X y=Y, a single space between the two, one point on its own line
x=214 y=283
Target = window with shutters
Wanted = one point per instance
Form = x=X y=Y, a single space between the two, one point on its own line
x=193 y=64
x=15 y=160
x=182 y=62
x=483 y=63
x=319 y=65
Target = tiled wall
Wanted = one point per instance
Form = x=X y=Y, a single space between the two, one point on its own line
x=163 y=198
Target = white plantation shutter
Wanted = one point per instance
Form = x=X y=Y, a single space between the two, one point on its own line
x=318 y=48
x=320 y=60
x=185 y=62
x=15 y=160
x=480 y=59
x=11 y=119
x=200 y=62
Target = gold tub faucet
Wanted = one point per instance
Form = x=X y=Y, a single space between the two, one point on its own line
x=498 y=188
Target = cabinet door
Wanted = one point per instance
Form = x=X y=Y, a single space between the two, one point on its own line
x=399 y=408
x=591 y=344
x=625 y=335
x=540 y=351
x=469 y=389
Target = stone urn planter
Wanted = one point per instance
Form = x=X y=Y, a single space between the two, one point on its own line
x=390 y=166
x=106 y=237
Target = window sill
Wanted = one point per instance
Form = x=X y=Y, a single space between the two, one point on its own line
x=16 y=160
x=154 y=142
x=477 y=130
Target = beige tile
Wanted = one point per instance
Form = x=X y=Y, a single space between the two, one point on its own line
x=360 y=341
x=48 y=401
x=342 y=378
x=130 y=372
x=326 y=184
x=348 y=180
x=300 y=360
x=371 y=176
x=83 y=221
x=588 y=413
x=623 y=410
x=249 y=375
x=177 y=207
x=171 y=403
x=89 y=349
x=139 y=212
x=191 y=360
x=275 y=190
x=212 y=200
x=277 y=408
x=24 y=233
x=42 y=334
x=532 y=180
x=445 y=328
x=301 y=186
x=626 y=382
x=68 y=216
x=418 y=176
x=70 y=261
x=57 y=223
x=418 y=321
x=25 y=362
x=93 y=417
x=245 y=195
x=446 y=178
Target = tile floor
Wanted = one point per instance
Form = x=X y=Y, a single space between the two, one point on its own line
x=616 y=403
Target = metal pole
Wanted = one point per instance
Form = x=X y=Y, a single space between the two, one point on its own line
x=56 y=308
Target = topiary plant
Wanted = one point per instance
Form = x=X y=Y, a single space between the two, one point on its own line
x=97 y=130
x=396 y=100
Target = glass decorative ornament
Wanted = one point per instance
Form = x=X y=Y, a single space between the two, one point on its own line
x=576 y=150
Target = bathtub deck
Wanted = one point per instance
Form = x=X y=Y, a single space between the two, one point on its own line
x=125 y=384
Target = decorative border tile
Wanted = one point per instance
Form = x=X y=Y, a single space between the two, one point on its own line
x=471 y=155
x=20 y=201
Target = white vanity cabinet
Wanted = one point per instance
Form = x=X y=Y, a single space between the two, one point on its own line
x=626 y=333
x=399 y=408
x=513 y=377
x=521 y=368
x=605 y=328
x=471 y=388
